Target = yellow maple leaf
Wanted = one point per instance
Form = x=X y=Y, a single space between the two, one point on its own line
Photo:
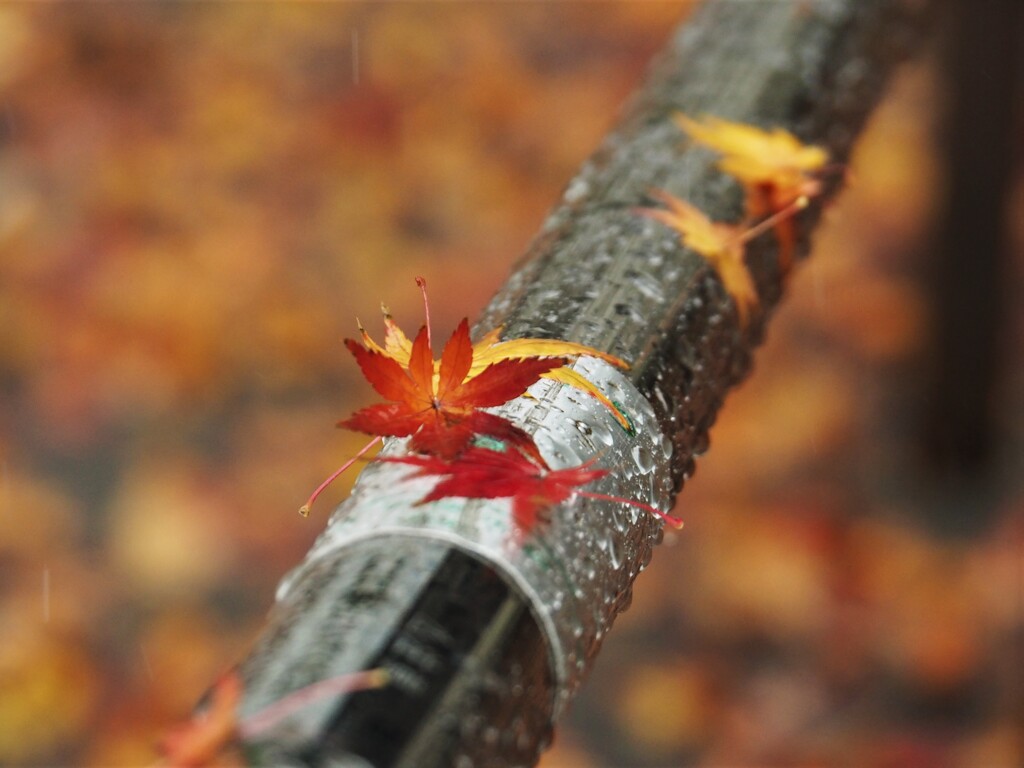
x=774 y=167
x=774 y=159
x=721 y=244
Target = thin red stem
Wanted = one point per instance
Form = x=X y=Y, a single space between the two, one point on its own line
x=268 y=717
x=426 y=307
x=797 y=205
x=304 y=509
x=672 y=520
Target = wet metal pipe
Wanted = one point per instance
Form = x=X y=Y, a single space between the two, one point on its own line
x=487 y=638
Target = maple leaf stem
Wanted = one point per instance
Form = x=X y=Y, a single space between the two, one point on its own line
x=304 y=509
x=271 y=715
x=761 y=227
x=422 y=283
x=672 y=520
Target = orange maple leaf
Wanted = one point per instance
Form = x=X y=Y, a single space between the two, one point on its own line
x=482 y=473
x=205 y=740
x=199 y=741
x=442 y=413
x=492 y=349
x=721 y=244
x=438 y=402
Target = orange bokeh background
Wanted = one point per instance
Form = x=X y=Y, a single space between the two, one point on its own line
x=197 y=201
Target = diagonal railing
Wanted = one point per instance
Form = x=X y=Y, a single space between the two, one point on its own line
x=486 y=636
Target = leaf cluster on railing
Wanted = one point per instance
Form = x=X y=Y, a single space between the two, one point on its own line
x=441 y=405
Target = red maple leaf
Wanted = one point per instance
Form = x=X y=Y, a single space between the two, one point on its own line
x=482 y=473
x=442 y=413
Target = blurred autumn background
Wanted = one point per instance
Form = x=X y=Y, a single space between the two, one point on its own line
x=196 y=202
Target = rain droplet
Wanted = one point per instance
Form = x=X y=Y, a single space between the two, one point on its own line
x=286 y=584
x=576 y=191
x=646 y=556
x=620 y=523
x=666 y=447
x=603 y=434
x=643 y=458
x=614 y=554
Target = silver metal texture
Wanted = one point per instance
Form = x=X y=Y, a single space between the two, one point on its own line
x=487 y=635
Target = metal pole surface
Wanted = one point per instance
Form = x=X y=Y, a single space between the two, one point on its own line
x=487 y=636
